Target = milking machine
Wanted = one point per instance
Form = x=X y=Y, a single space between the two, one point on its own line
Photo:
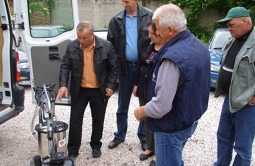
x=50 y=133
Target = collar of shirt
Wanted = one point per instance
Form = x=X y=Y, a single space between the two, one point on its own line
x=135 y=15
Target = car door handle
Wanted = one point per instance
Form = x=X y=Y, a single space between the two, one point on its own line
x=53 y=48
x=54 y=57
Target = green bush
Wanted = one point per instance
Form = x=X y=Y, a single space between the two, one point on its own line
x=195 y=7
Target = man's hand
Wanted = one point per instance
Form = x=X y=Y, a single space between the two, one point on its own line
x=252 y=101
x=139 y=113
x=134 y=90
x=109 y=92
x=62 y=91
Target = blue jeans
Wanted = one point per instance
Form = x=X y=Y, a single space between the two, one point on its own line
x=236 y=131
x=169 y=146
x=126 y=84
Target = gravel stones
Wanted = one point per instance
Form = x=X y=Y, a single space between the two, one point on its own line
x=18 y=146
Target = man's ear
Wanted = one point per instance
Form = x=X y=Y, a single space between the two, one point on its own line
x=244 y=20
x=171 y=30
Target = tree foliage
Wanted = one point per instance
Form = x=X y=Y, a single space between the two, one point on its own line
x=195 y=7
x=34 y=7
x=44 y=6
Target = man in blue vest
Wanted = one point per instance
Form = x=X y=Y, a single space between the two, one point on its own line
x=179 y=90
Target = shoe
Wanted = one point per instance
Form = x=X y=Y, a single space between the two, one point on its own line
x=145 y=156
x=114 y=143
x=73 y=155
x=143 y=145
x=152 y=163
x=96 y=153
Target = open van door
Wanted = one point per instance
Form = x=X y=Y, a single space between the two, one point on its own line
x=11 y=95
x=46 y=27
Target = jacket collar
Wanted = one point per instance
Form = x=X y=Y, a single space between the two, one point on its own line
x=251 y=39
x=98 y=43
x=177 y=38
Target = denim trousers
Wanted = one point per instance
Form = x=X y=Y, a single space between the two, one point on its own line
x=125 y=89
x=169 y=146
x=236 y=131
x=94 y=97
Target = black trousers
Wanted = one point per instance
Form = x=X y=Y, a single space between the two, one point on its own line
x=98 y=104
x=149 y=134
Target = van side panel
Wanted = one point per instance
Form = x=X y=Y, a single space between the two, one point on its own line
x=46 y=62
x=1 y=49
x=11 y=95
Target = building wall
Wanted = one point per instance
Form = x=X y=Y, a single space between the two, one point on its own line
x=99 y=12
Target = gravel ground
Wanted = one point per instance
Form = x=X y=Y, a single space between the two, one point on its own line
x=18 y=146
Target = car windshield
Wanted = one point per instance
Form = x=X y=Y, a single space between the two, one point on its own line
x=101 y=32
x=46 y=31
x=40 y=32
x=220 y=39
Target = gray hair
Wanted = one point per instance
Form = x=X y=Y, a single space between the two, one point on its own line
x=248 y=18
x=85 y=25
x=171 y=15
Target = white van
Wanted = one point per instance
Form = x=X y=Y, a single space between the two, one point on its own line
x=44 y=53
x=11 y=94
x=34 y=18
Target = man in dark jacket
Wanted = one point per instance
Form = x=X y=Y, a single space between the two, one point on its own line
x=127 y=30
x=92 y=64
x=179 y=90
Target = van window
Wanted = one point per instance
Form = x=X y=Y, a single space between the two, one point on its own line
x=47 y=19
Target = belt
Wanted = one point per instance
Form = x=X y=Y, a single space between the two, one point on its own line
x=131 y=63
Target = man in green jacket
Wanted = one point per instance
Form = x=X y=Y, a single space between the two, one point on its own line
x=236 y=80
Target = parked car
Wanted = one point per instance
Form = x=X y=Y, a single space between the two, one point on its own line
x=23 y=66
x=41 y=31
x=101 y=32
x=221 y=35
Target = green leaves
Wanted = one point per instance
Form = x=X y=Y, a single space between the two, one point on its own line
x=44 y=6
x=34 y=7
x=195 y=8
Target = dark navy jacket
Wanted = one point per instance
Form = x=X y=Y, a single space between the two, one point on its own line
x=191 y=99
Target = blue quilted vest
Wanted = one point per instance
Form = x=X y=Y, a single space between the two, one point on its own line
x=191 y=99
